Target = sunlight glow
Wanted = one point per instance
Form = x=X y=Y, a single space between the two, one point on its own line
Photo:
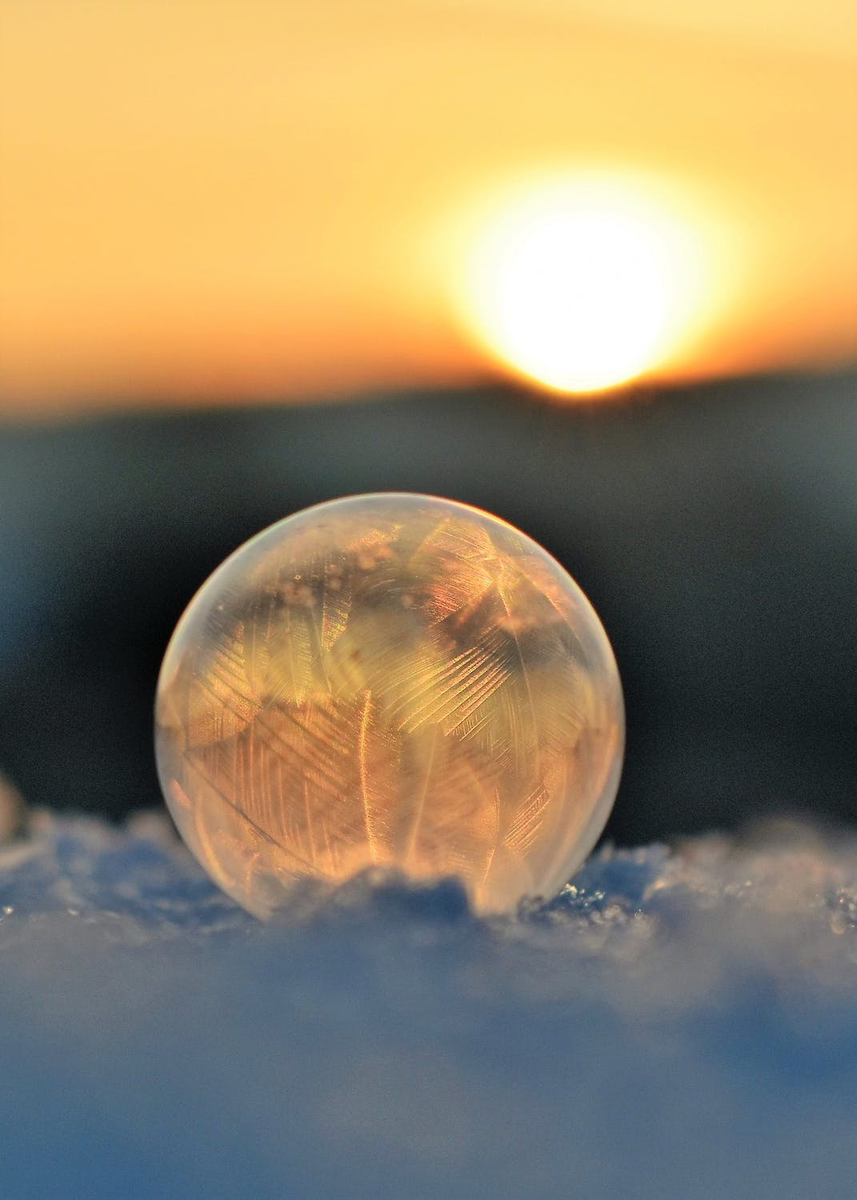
x=582 y=284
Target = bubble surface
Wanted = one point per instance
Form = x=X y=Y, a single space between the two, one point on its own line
x=390 y=680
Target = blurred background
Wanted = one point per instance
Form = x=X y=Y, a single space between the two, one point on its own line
x=589 y=265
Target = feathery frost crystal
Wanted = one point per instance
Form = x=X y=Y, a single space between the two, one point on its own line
x=392 y=680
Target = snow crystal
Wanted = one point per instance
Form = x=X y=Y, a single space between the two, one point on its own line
x=677 y=1023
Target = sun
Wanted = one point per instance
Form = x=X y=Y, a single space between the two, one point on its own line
x=582 y=284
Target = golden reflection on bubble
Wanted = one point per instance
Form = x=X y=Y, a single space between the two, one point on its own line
x=390 y=680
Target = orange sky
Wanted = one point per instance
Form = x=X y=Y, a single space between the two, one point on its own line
x=213 y=198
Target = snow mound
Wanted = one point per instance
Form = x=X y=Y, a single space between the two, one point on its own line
x=677 y=1023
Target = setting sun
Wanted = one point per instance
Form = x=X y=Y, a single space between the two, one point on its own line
x=585 y=283
x=289 y=201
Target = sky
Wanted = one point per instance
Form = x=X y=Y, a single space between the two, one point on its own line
x=214 y=199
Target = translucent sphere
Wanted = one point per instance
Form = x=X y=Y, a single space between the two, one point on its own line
x=390 y=680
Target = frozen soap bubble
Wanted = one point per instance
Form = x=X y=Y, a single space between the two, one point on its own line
x=391 y=680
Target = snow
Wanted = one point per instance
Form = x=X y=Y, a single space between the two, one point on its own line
x=677 y=1023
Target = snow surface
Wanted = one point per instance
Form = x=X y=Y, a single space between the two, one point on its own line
x=678 y=1023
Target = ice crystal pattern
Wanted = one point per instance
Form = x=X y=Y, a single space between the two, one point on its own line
x=390 y=680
